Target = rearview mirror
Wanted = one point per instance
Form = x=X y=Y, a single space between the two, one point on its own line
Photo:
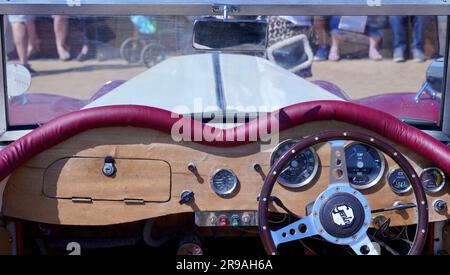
x=230 y=35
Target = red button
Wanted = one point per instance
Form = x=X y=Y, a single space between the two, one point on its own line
x=223 y=221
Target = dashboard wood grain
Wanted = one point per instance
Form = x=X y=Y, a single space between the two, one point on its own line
x=24 y=198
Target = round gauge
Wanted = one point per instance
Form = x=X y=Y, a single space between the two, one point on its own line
x=432 y=179
x=398 y=181
x=224 y=182
x=365 y=165
x=300 y=170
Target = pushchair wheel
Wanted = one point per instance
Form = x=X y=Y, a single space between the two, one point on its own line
x=152 y=54
x=131 y=49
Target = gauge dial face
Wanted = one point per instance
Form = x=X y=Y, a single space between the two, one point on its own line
x=365 y=165
x=300 y=170
x=224 y=182
x=398 y=181
x=432 y=179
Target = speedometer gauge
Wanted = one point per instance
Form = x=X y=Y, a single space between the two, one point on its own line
x=432 y=179
x=300 y=170
x=398 y=181
x=365 y=165
x=224 y=182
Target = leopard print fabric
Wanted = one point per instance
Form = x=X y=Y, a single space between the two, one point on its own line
x=280 y=29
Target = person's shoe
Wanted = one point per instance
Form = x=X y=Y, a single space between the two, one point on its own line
x=63 y=52
x=399 y=56
x=418 y=55
x=31 y=70
x=83 y=57
x=321 y=54
x=375 y=55
x=334 y=55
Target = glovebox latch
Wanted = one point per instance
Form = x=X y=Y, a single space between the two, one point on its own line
x=109 y=167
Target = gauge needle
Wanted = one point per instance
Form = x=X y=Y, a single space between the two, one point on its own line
x=285 y=169
x=400 y=206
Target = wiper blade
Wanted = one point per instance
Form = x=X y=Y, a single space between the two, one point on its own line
x=416 y=121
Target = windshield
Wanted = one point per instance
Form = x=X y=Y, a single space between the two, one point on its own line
x=60 y=64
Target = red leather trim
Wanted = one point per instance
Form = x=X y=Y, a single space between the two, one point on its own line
x=71 y=124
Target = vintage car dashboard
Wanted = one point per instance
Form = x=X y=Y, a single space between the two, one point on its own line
x=121 y=174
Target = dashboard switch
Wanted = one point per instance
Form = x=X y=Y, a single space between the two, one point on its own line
x=186 y=196
x=235 y=221
x=245 y=218
x=223 y=221
x=439 y=205
x=192 y=167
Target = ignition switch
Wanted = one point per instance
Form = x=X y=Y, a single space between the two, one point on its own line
x=439 y=205
x=186 y=196
x=109 y=168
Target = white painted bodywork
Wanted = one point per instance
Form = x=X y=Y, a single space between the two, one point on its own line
x=187 y=84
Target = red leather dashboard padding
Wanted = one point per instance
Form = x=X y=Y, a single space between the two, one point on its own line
x=71 y=124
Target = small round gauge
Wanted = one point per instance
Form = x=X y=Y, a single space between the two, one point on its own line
x=398 y=181
x=300 y=170
x=432 y=179
x=224 y=182
x=365 y=165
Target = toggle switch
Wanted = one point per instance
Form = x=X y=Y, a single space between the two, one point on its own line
x=223 y=221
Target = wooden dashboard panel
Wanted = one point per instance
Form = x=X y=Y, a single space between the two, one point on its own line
x=24 y=198
x=145 y=180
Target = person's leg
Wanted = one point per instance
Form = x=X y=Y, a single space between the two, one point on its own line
x=320 y=30
x=34 y=46
x=374 y=41
x=418 y=39
x=374 y=54
x=61 y=27
x=335 y=38
x=398 y=26
x=20 y=36
x=84 y=39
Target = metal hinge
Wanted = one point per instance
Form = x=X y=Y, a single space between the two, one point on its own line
x=134 y=201
x=82 y=199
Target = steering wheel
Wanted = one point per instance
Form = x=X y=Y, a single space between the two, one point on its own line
x=341 y=214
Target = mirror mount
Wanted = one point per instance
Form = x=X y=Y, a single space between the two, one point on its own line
x=225 y=10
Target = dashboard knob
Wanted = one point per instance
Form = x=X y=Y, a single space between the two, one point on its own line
x=186 y=196
x=439 y=205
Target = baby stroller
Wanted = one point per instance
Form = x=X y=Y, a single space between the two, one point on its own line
x=144 y=47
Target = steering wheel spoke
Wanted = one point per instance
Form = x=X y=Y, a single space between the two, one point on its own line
x=338 y=166
x=364 y=247
x=297 y=230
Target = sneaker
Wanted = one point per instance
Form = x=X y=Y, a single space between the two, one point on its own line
x=321 y=54
x=418 y=55
x=399 y=56
x=31 y=70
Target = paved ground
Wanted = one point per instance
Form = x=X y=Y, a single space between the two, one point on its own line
x=359 y=78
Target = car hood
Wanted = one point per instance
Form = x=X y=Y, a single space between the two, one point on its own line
x=213 y=82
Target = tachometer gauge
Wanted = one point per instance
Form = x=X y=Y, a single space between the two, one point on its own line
x=301 y=169
x=365 y=165
x=224 y=182
x=432 y=179
x=398 y=181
